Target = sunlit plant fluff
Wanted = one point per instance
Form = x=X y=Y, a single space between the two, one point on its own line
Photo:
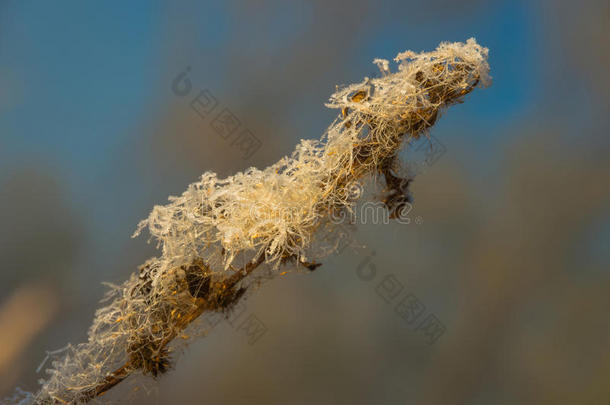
x=221 y=236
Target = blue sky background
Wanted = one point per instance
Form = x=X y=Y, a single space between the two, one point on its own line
x=82 y=87
x=91 y=137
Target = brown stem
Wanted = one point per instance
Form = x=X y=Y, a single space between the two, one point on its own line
x=109 y=382
x=121 y=373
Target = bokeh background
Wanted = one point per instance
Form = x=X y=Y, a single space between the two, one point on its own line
x=512 y=255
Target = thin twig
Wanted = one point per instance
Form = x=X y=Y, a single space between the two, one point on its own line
x=121 y=373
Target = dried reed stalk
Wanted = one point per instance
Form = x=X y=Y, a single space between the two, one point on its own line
x=218 y=223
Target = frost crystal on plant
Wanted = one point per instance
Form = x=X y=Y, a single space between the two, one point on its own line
x=220 y=235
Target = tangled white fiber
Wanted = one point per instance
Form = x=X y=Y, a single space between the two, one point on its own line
x=221 y=235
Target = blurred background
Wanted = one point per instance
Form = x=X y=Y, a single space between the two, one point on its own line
x=510 y=256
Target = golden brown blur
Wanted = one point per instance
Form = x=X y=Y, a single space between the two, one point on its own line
x=22 y=316
x=507 y=250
